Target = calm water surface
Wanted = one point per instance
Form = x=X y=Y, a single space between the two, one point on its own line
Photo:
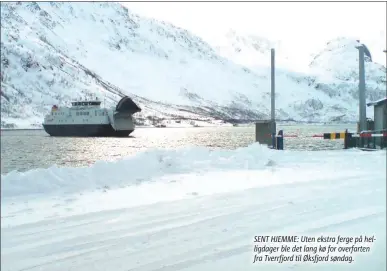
x=23 y=150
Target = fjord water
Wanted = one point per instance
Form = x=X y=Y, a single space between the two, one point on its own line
x=23 y=150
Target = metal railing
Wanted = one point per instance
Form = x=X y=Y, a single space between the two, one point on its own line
x=371 y=139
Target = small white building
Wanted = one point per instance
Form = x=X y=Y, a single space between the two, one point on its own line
x=380 y=114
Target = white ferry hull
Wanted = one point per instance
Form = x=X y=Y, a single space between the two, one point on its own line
x=88 y=119
x=85 y=130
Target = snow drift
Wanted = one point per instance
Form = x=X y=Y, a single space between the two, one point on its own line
x=134 y=170
x=152 y=165
x=192 y=209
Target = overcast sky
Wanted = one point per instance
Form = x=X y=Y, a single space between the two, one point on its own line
x=302 y=27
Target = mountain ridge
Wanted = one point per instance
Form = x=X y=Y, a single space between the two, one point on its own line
x=50 y=54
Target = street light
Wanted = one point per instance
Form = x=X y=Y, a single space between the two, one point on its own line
x=362 y=102
x=273 y=127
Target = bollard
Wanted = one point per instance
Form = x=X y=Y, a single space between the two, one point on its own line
x=349 y=140
x=273 y=141
x=280 y=140
x=346 y=139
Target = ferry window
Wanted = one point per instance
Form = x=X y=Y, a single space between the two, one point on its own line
x=77 y=113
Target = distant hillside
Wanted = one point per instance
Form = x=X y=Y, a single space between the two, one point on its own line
x=55 y=52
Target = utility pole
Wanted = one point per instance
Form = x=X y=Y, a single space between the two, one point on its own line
x=273 y=125
x=362 y=100
x=265 y=128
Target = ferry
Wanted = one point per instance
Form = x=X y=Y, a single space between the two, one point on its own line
x=89 y=119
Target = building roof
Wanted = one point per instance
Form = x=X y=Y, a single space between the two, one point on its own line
x=378 y=102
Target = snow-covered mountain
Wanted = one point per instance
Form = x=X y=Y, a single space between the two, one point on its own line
x=250 y=50
x=52 y=53
x=333 y=71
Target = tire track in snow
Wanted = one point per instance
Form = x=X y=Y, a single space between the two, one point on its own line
x=195 y=228
x=251 y=212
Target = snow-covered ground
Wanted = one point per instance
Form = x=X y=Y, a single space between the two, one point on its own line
x=191 y=209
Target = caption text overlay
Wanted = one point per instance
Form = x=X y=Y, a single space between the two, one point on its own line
x=310 y=249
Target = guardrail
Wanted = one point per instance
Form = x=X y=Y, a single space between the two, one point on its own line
x=364 y=140
x=368 y=140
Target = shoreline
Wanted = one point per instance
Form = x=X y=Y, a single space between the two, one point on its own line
x=206 y=126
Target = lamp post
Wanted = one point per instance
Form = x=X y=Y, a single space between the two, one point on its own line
x=362 y=103
x=272 y=102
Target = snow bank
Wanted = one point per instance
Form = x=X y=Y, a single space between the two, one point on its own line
x=194 y=209
x=132 y=170
x=151 y=165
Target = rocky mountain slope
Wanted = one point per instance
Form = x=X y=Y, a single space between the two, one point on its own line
x=52 y=53
x=333 y=71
